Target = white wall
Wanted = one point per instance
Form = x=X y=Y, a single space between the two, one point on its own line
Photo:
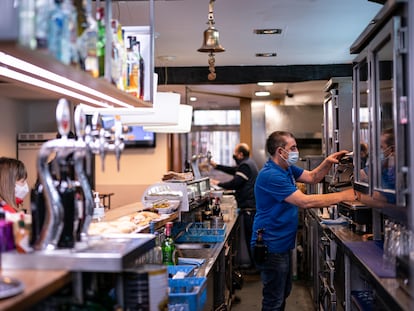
x=11 y=122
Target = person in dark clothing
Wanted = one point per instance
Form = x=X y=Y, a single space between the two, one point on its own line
x=244 y=177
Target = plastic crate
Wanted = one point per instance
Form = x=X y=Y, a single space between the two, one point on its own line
x=200 y=232
x=187 y=269
x=191 y=291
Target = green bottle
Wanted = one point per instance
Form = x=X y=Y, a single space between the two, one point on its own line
x=100 y=44
x=168 y=246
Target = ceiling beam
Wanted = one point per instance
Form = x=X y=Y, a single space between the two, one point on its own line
x=252 y=74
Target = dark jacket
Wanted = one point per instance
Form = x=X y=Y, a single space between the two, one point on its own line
x=243 y=182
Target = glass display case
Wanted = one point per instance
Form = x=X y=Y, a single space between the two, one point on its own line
x=380 y=112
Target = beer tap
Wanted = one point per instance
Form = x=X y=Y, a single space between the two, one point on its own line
x=53 y=222
x=82 y=154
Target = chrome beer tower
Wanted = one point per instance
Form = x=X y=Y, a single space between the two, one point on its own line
x=91 y=139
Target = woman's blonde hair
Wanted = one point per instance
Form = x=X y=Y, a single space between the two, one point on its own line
x=11 y=170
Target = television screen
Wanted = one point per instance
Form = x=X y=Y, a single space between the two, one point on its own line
x=134 y=135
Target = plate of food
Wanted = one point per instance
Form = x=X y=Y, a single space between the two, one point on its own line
x=166 y=206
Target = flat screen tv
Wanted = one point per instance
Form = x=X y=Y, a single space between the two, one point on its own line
x=134 y=135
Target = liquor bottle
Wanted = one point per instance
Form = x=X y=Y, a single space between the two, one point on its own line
x=87 y=45
x=132 y=68
x=140 y=71
x=43 y=10
x=117 y=56
x=61 y=29
x=27 y=36
x=216 y=207
x=168 y=246
x=81 y=15
x=100 y=44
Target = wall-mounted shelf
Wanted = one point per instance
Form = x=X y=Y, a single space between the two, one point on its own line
x=94 y=88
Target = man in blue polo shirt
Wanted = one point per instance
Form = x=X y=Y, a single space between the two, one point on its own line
x=277 y=203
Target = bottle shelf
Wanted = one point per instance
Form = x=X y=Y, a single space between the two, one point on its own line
x=97 y=89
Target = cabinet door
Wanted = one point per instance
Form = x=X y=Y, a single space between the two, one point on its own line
x=389 y=140
x=362 y=130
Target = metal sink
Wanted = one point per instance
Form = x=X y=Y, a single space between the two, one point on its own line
x=194 y=245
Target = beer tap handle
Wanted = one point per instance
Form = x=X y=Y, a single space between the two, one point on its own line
x=102 y=144
x=80 y=123
x=63 y=117
x=119 y=145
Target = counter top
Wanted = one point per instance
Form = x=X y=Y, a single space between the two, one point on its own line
x=386 y=286
x=38 y=285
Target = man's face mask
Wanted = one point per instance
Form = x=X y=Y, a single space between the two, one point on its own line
x=238 y=161
x=293 y=157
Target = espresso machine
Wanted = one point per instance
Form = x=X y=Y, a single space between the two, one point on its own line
x=358 y=214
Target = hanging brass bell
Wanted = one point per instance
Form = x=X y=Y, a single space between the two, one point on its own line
x=211 y=41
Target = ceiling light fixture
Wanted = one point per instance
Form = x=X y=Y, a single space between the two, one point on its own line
x=262 y=93
x=265 y=83
x=193 y=99
x=211 y=43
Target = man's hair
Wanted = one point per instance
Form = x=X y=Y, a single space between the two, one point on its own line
x=277 y=139
x=244 y=148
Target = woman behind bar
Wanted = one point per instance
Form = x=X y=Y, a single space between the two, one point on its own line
x=13 y=184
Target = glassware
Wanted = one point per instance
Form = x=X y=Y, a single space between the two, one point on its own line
x=168 y=246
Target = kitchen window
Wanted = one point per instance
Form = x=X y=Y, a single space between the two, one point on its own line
x=215 y=131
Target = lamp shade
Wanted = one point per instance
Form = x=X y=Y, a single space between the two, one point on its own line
x=183 y=126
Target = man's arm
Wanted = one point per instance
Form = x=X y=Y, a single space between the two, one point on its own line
x=302 y=200
x=318 y=173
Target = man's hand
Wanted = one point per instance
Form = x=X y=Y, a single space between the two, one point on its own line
x=214 y=182
x=335 y=157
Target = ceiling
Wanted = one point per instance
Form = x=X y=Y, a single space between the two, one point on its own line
x=314 y=32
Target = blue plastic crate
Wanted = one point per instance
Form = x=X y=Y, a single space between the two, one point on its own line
x=191 y=291
x=187 y=269
x=200 y=232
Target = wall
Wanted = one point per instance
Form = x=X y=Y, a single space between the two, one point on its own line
x=303 y=121
x=11 y=122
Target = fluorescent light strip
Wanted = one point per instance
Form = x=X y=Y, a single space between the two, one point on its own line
x=30 y=68
x=48 y=86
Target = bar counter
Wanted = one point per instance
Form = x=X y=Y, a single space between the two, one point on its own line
x=38 y=284
x=370 y=262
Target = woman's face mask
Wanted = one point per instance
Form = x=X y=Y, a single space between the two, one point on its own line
x=21 y=191
x=293 y=157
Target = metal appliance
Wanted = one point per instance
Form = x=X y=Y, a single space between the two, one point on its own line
x=359 y=214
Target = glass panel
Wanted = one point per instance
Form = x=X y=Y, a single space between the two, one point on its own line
x=385 y=138
x=362 y=117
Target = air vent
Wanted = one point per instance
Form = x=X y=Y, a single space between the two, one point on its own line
x=266 y=54
x=270 y=31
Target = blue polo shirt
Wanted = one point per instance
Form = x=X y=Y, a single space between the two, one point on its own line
x=278 y=218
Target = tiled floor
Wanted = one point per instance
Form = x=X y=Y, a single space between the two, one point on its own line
x=251 y=294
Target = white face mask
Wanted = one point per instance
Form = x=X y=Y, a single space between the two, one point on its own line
x=21 y=191
x=293 y=157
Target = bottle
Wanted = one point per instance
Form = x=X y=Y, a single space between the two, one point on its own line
x=260 y=248
x=27 y=35
x=43 y=10
x=155 y=256
x=216 y=207
x=168 y=246
x=140 y=71
x=100 y=44
x=87 y=45
x=132 y=68
x=116 y=57
x=61 y=31
x=22 y=236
